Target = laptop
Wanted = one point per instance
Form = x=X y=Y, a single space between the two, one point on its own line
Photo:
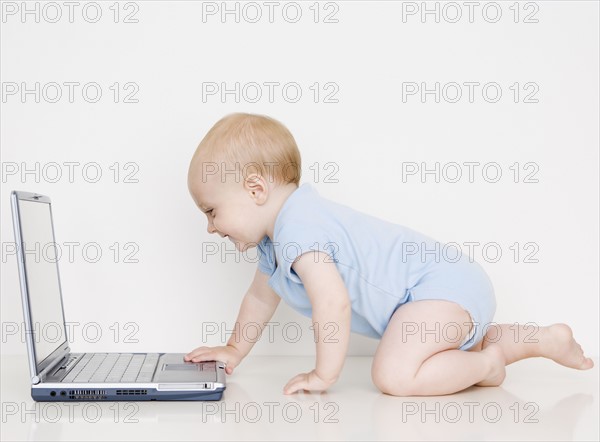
x=57 y=374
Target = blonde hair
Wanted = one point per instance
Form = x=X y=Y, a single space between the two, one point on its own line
x=252 y=143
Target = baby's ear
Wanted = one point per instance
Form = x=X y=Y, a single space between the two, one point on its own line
x=256 y=185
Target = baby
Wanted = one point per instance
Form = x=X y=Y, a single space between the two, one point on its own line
x=431 y=306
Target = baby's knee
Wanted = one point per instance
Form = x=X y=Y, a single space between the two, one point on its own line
x=389 y=382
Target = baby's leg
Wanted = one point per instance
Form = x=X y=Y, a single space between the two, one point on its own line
x=554 y=342
x=416 y=357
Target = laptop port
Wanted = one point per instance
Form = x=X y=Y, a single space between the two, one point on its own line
x=53 y=393
x=63 y=393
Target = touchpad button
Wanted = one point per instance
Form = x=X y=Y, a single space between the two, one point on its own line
x=179 y=367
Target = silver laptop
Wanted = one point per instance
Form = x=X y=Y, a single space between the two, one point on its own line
x=59 y=375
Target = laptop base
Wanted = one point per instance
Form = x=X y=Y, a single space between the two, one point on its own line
x=120 y=394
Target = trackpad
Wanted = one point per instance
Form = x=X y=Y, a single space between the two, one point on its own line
x=171 y=368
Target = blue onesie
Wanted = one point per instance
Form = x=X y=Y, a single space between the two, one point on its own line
x=383 y=265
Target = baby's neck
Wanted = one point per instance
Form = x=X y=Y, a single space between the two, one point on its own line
x=277 y=198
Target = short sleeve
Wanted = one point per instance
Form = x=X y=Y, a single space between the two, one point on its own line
x=294 y=240
x=265 y=262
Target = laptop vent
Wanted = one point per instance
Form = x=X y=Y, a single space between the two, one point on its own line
x=132 y=392
x=87 y=394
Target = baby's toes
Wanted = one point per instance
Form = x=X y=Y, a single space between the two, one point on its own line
x=586 y=364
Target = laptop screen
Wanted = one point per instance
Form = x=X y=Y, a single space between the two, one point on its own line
x=41 y=268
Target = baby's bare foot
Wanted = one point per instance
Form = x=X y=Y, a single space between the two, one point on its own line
x=498 y=371
x=559 y=345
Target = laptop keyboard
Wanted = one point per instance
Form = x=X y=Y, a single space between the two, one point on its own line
x=114 y=367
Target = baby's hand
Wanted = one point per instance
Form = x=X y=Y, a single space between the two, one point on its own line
x=306 y=381
x=228 y=354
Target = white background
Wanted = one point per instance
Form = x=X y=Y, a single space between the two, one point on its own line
x=368 y=134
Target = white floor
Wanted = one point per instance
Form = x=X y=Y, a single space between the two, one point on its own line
x=538 y=401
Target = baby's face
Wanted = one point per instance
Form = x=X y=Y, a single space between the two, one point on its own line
x=230 y=209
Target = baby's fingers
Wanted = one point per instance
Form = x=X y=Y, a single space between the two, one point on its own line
x=196 y=353
x=298 y=382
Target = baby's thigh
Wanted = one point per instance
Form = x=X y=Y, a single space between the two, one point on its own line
x=416 y=331
x=467 y=285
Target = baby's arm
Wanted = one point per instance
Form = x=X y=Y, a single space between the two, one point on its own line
x=331 y=312
x=258 y=306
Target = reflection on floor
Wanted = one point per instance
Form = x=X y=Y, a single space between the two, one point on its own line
x=539 y=400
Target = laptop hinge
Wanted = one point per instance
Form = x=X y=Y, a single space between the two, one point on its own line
x=40 y=377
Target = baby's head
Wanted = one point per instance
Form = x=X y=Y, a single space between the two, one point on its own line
x=240 y=175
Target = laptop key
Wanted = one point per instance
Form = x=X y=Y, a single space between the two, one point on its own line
x=121 y=364
x=78 y=367
x=148 y=368
x=133 y=369
x=102 y=372
x=90 y=368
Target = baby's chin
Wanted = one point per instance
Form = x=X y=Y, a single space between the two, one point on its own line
x=242 y=246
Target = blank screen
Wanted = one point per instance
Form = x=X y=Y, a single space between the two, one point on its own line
x=48 y=322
